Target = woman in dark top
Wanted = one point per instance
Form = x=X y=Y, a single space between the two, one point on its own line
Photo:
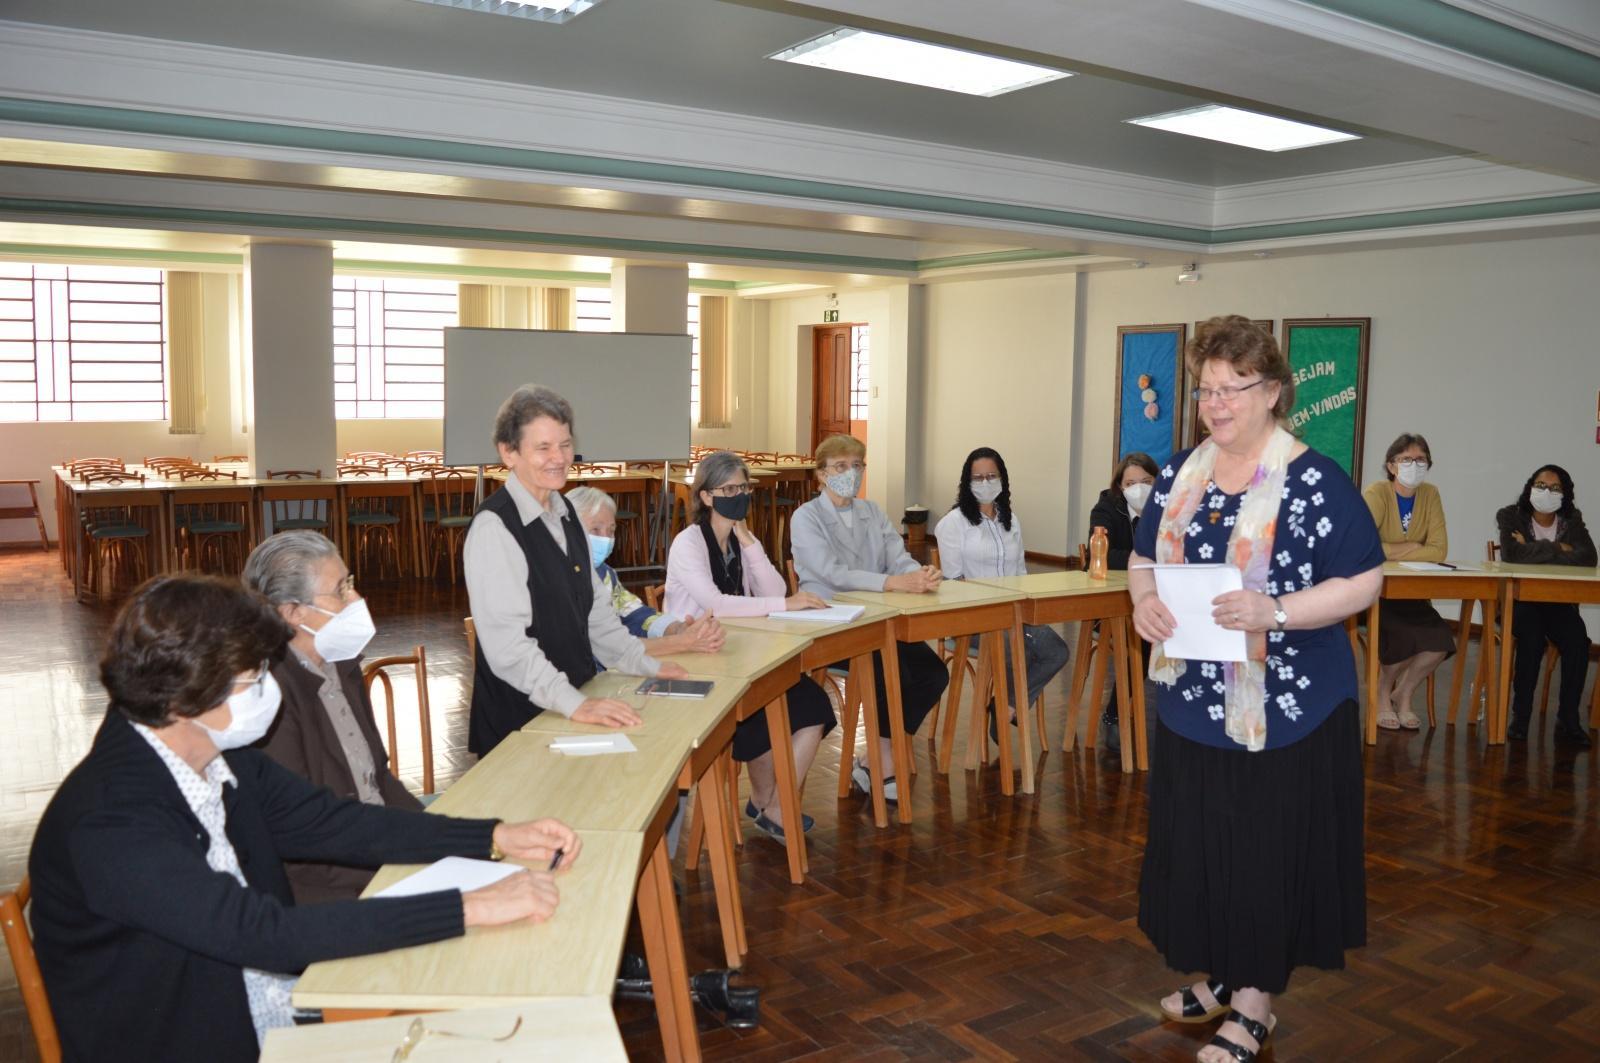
x=1254 y=860
x=1118 y=512
x=1544 y=527
x=162 y=917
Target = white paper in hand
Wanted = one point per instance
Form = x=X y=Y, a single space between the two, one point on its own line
x=451 y=873
x=1187 y=591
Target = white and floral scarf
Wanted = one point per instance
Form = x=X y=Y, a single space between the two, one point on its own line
x=1250 y=550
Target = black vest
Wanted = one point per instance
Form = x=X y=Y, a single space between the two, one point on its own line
x=561 y=593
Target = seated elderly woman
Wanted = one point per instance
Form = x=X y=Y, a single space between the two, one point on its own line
x=325 y=730
x=597 y=512
x=845 y=543
x=162 y=917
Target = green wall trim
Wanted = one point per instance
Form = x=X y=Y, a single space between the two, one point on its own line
x=987 y=258
x=312 y=223
x=134 y=254
x=160 y=123
x=1463 y=31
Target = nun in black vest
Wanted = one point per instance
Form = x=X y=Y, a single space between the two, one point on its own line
x=543 y=619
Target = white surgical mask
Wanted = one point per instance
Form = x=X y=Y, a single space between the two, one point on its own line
x=346 y=634
x=1137 y=495
x=600 y=548
x=1411 y=473
x=253 y=709
x=1546 y=499
x=845 y=484
x=985 y=491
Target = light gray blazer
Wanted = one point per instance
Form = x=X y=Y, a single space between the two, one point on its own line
x=830 y=557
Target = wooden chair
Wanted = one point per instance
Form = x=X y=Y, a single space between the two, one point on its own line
x=30 y=510
x=75 y=464
x=232 y=457
x=375 y=526
x=794 y=577
x=117 y=542
x=374 y=671
x=213 y=528
x=19 y=943
x=299 y=514
x=472 y=654
x=447 y=508
x=652 y=596
x=1487 y=644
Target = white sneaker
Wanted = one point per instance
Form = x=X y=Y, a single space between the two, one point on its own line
x=863 y=780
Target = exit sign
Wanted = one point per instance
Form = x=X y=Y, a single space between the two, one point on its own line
x=830 y=316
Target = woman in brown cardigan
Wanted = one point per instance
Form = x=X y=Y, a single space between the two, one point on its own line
x=1413 y=638
x=325 y=730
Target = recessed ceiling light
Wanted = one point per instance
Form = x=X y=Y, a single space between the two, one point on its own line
x=931 y=65
x=1213 y=121
x=553 y=11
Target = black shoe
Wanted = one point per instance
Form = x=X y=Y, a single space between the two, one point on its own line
x=1570 y=735
x=1517 y=730
x=1111 y=735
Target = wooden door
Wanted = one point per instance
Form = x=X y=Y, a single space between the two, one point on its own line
x=830 y=383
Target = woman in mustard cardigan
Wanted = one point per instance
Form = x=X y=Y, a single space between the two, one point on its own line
x=1413 y=638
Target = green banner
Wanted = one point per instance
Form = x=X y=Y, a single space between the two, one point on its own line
x=1329 y=364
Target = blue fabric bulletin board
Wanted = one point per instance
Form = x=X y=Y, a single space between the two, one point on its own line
x=1155 y=351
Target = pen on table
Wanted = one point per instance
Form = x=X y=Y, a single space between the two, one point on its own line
x=555 y=861
x=1448 y=565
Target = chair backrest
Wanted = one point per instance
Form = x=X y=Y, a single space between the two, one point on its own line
x=83 y=463
x=933 y=558
x=472 y=638
x=794 y=577
x=652 y=596
x=451 y=491
x=374 y=671
x=1492 y=551
x=19 y=943
x=231 y=457
x=110 y=476
x=169 y=459
x=202 y=473
x=294 y=474
x=360 y=470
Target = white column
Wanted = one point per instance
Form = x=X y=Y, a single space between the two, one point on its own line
x=650 y=299
x=289 y=401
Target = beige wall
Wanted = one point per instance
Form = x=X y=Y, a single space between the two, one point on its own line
x=394 y=436
x=999 y=374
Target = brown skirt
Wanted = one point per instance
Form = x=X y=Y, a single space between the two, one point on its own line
x=1407 y=628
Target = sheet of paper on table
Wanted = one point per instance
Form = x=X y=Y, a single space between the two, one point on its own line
x=451 y=873
x=833 y=614
x=593 y=745
x=1431 y=566
x=1187 y=591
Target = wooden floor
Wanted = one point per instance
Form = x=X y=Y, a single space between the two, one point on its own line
x=996 y=928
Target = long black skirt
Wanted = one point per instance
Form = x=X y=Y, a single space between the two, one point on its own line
x=1255 y=863
x=808 y=707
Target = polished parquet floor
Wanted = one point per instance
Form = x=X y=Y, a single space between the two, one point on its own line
x=1005 y=929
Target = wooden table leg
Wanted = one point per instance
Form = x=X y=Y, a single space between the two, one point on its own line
x=663 y=950
x=1119 y=665
x=994 y=643
x=1458 y=671
x=1080 y=675
x=711 y=795
x=1372 y=674
x=905 y=764
x=869 y=710
x=1141 y=734
x=848 y=715
x=952 y=701
x=977 y=740
x=794 y=838
x=1019 y=677
x=1500 y=705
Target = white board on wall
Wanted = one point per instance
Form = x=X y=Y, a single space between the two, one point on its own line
x=629 y=390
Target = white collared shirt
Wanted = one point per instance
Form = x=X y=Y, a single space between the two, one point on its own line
x=268 y=993
x=497 y=590
x=984 y=550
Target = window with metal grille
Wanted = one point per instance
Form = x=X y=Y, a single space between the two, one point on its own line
x=694 y=359
x=860 y=372
x=592 y=309
x=388 y=346
x=82 y=343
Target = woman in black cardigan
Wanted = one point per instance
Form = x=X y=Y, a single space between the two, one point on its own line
x=1117 y=512
x=1543 y=527
x=162 y=917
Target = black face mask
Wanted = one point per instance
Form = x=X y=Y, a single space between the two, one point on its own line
x=735 y=508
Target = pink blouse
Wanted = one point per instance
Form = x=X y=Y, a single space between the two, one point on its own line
x=692 y=592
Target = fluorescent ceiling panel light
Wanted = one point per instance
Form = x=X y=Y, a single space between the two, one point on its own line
x=552 y=11
x=1213 y=121
x=934 y=66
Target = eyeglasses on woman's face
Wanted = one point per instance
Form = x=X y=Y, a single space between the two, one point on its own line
x=254 y=683
x=843 y=466
x=1228 y=393
x=730 y=490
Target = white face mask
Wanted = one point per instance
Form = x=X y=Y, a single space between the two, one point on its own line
x=253 y=709
x=1137 y=495
x=1411 y=473
x=1546 y=499
x=985 y=491
x=346 y=634
x=845 y=484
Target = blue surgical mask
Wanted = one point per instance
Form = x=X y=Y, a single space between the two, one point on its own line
x=600 y=549
x=845 y=484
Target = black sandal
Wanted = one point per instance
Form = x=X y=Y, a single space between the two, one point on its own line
x=1196 y=1012
x=1253 y=1028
